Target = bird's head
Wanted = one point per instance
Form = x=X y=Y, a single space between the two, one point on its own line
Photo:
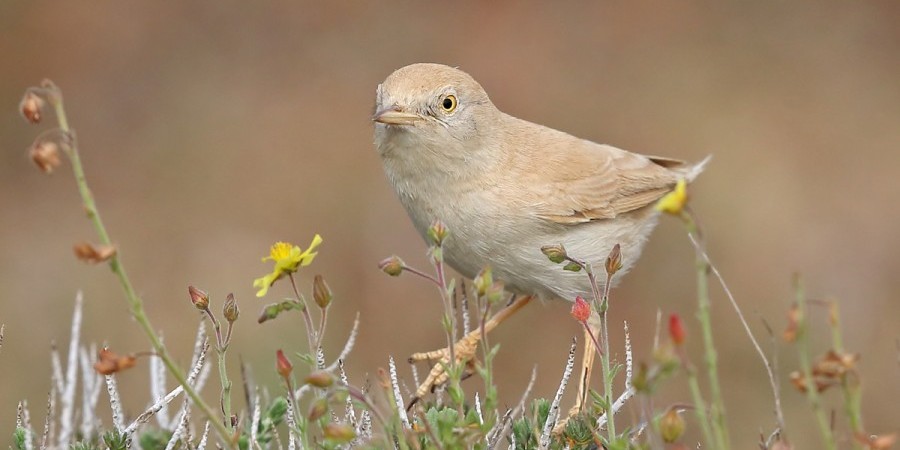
x=432 y=110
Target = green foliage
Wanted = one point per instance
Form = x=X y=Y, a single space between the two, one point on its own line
x=154 y=439
x=268 y=421
x=115 y=440
x=19 y=438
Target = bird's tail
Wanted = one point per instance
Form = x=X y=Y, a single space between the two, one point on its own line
x=691 y=172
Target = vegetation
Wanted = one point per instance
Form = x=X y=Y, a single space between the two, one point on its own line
x=316 y=406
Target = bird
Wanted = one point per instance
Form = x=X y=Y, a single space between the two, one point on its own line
x=506 y=187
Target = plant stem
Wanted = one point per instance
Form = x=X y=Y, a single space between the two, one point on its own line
x=604 y=356
x=226 y=388
x=419 y=273
x=717 y=406
x=812 y=392
x=221 y=348
x=54 y=96
x=851 y=390
x=310 y=331
x=699 y=404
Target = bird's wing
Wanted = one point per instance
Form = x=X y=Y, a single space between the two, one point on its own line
x=589 y=181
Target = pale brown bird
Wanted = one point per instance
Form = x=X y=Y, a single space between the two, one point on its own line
x=505 y=187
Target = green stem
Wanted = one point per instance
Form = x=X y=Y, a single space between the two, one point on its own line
x=812 y=392
x=310 y=331
x=604 y=358
x=717 y=405
x=134 y=301
x=226 y=388
x=851 y=390
x=699 y=404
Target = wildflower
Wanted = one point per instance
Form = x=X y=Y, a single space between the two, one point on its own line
x=199 y=298
x=676 y=329
x=673 y=202
x=581 y=309
x=288 y=258
x=93 y=255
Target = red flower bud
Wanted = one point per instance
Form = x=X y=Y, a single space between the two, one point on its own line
x=676 y=329
x=581 y=310
x=283 y=365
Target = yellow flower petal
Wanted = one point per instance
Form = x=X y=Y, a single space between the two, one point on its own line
x=673 y=202
x=287 y=258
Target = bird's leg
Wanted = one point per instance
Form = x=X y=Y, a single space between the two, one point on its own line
x=463 y=350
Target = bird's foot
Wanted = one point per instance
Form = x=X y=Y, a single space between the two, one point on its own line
x=463 y=354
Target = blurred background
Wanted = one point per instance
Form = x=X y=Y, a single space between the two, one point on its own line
x=210 y=131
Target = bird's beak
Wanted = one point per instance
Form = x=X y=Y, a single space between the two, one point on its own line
x=394 y=117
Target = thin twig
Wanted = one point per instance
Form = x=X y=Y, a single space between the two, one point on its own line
x=773 y=383
x=348 y=346
x=70 y=147
x=812 y=393
x=67 y=395
x=398 y=399
x=553 y=415
x=304 y=309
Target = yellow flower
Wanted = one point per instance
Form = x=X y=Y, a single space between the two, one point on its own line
x=288 y=258
x=673 y=202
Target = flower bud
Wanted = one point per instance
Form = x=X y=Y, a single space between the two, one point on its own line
x=671 y=426
x=555 y=253
x=614 y=260
x=45 y=155
x=321 y=292
x=230 y=310
x=392 y=266
x=199 y=298
x=641 y=380
x=108 y=362
x=318 y=409
x=339 y=432
x=320 y=379
x=793 y=326
x=483 y=281
x=92 y=255
x=438 y=232
x=495 y=293
x=676 y=329
x=31 y=107
x=581 y=309
x=282 y=365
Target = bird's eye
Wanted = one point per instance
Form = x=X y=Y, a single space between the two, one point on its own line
x=449 y=103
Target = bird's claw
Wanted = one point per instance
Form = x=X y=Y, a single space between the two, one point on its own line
x=463 y=353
